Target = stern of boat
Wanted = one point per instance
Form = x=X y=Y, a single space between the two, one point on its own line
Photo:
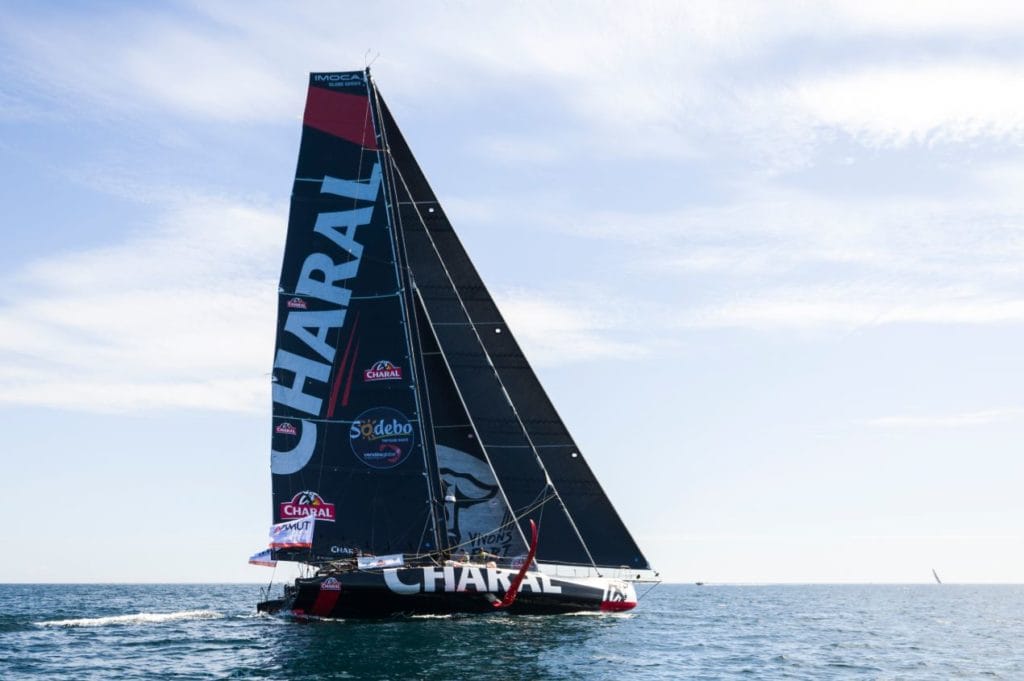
x=619 y=596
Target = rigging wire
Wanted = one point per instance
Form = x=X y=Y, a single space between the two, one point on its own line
x=384 y=156
x=547 y=478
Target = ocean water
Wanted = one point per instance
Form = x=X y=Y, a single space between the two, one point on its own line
x=114 y=631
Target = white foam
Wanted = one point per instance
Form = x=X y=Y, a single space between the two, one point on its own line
x=600 y=613
x=137 y=618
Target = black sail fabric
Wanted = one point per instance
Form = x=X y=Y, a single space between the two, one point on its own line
x=539 y=467
x=405 y=417
x=348 y=445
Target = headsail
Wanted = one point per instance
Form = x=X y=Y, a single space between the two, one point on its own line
x=537 y=463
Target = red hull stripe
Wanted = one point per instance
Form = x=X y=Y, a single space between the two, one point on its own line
x=324 y=603
x=340 y=114
x=616 y=606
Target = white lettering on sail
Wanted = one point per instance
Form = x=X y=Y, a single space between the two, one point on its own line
x=303 y=368
x=318 y=278
x=366 y=191
x=322 y=286
x=300 y=322
x=292 y=461
x=338 y=77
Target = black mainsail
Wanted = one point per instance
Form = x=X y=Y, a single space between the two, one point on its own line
x=406 y=417
x=348 y=442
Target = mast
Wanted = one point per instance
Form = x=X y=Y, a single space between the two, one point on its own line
x=402 y=272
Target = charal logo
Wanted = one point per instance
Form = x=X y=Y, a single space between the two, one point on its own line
x=343 y=550
x=307 y=503
x=297 y=304
x=285 y=428
x=381 y=437
x=330 y=584
x=382 y=371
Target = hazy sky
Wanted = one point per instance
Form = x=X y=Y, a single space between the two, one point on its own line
x=767 y=259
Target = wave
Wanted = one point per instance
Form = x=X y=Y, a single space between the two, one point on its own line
x=137 y=618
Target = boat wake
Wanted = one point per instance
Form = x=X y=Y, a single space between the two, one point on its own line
x=137 y=618
x=602 y=614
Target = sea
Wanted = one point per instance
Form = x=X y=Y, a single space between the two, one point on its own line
x=211 y=631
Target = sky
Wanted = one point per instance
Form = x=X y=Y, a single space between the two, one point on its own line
x=766 y=258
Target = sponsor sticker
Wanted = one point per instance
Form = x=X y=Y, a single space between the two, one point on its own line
x=339 y=79
x=381 y=437
x=307 y=503
x=330 y=584
x=382 y=371
x=285 y=428
x=297 y=304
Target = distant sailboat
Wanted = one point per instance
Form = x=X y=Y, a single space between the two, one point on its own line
x=936 y=575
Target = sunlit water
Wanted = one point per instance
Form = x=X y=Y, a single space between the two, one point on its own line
x=678 y=632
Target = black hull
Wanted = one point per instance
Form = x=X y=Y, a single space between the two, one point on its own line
x=418 y=591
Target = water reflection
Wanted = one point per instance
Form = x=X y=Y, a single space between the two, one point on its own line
x=498 y=646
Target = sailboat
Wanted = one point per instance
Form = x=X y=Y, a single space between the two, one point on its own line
x=409 y=430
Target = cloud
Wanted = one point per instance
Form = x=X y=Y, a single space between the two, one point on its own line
x=930 y=104
x=782 y=258
x=169 y=306
x=961 y=420
x=556 y=327
x=615 y=79
x=852 y=306
x=180 y=314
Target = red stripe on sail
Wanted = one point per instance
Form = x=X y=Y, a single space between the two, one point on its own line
x=340 y=114
x=341 y=371
x=348 y=381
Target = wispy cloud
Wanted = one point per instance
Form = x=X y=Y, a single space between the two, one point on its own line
x=960 y=420
x=934 y=103
x=850 y=307
x=558 y=328
x=180 y=314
